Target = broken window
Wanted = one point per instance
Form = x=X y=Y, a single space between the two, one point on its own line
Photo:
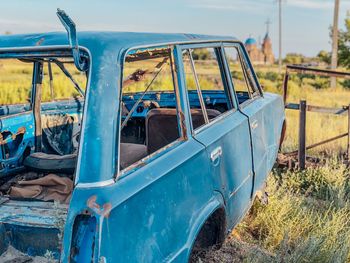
x=15 y=83
x=149 y=107
x=242 y=79
x=208 y=96
x=63 y=88
x=62 y=81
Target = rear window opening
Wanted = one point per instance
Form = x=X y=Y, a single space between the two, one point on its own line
x=41 y=108
x=150 y=119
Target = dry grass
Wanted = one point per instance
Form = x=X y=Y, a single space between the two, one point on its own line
x=307 y=220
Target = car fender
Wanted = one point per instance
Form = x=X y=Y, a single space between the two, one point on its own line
x=199 y=219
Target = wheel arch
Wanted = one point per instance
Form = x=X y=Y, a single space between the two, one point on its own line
x=215 y=209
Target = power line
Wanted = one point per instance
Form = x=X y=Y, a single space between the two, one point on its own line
x=280 y=35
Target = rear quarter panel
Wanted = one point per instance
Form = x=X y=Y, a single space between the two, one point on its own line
x=155 y=213
x=272 y=115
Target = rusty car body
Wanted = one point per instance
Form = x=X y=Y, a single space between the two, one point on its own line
x=171 y=151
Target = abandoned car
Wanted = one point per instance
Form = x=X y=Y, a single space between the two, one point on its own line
x=129 y=147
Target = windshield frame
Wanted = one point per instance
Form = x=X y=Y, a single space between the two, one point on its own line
x=31 y=53
x=56 y=51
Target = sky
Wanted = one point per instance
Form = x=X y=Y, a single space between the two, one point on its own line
x=305 y=22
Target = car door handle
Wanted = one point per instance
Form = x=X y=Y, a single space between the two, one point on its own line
x=254 y=124
x=216 y=154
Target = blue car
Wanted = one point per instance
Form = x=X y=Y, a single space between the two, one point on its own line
x=129 y=147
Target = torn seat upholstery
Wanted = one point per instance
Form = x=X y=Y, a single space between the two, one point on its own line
x=43 y=162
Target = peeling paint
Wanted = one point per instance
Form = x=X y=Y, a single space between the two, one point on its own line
x=95 y=207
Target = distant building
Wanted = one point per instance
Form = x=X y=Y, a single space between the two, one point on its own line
x=260 y=53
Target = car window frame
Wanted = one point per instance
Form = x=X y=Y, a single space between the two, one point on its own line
x=122 y=173
x=223 y=71
x=32 y=52
x=246 y=65
x=29 y=104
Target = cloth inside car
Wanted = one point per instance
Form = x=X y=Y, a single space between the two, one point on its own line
x=48 y=188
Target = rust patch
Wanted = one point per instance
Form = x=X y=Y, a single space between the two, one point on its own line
x=95 y=207
x=40 y=41
x=183 y=125
x=21 y=130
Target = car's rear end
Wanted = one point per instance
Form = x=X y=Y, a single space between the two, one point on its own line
x=42 y=95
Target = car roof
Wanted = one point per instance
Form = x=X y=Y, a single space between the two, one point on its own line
x=93 y=40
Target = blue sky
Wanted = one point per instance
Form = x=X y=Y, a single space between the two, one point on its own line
x=305 y=30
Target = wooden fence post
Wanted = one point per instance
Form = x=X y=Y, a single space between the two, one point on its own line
x=302 y=135
x=348 y=133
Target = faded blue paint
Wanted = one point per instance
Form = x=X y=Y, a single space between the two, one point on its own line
x=154 y=212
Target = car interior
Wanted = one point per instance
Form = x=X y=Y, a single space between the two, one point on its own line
x=149 y=106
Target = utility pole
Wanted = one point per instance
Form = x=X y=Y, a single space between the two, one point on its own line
x=280 y=36
x=334 y=62
x=268 y=23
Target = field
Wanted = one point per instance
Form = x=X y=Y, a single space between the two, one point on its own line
x=16 y=81
x=307 y=218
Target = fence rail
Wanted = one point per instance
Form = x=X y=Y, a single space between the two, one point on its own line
x=303 y=108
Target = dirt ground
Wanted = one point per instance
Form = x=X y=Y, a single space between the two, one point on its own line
x=233 y=251
x=11 y=255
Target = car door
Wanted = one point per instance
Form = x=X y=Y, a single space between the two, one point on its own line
x=252 y=104
x=224 y=130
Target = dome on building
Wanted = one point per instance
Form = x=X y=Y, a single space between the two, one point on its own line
x=260 y=53
x=250 y=41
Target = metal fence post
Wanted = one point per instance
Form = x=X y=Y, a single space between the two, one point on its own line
x=348 y=133
x=285 y=87
x=302 y=135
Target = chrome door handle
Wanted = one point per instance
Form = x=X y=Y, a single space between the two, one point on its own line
x=216 y=154
x=254 y=124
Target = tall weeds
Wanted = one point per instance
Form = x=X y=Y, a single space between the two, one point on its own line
x=307 y=218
